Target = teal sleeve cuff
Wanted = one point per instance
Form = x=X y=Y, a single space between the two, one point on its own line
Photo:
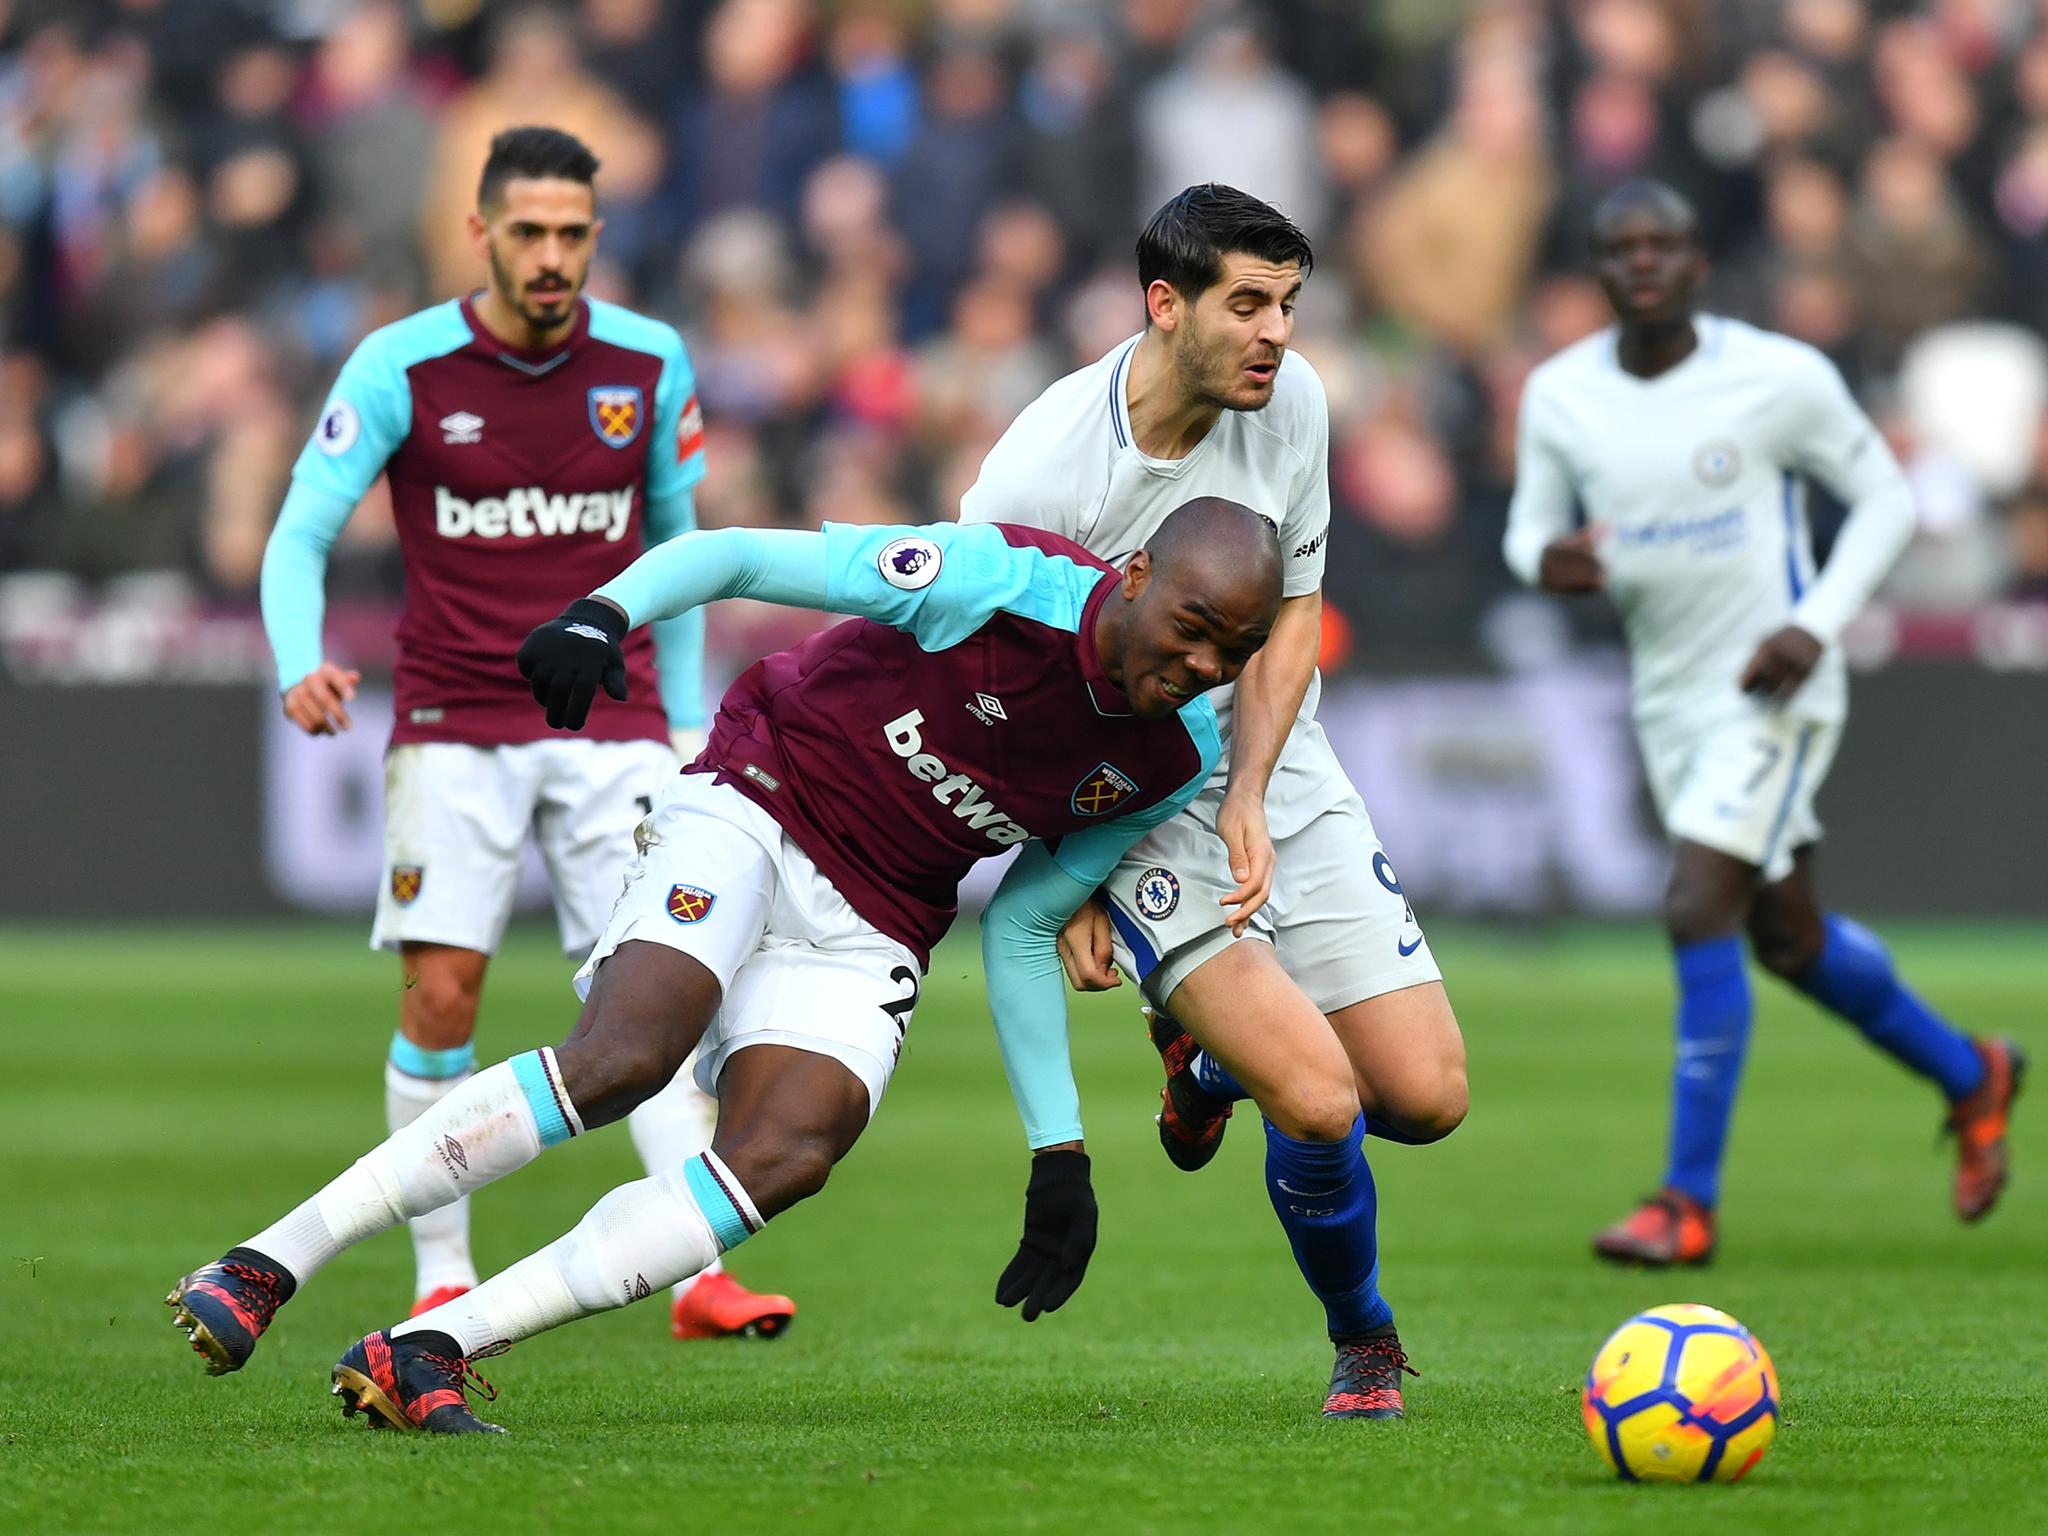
x=294 y=578
x=775 y=566
x=1027 y=992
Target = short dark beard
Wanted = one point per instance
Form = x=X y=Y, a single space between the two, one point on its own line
x=1192 y=366
x=509 y=292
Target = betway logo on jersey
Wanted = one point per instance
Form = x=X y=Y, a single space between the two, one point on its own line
x=956 y=791
x=527 y=510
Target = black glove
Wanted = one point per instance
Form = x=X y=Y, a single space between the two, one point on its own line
x=568 y=657
x=1059 y=1235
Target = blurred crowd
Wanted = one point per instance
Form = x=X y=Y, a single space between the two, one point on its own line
x=884 y=225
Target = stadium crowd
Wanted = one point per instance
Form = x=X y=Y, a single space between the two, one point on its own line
x=885 y=225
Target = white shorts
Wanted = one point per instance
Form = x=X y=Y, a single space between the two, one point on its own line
x=1743 y=784
x=456 y=820
x=719 y=880
x=1337 y=918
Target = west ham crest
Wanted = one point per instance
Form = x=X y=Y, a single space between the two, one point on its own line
x=405 y=883
x=615 y=413
x=1101 y=790
x=690 y=903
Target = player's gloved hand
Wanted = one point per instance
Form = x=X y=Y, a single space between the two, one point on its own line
x=1059 y=1235
x=570 y=656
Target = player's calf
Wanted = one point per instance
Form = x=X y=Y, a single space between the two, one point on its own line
x=225 y=1307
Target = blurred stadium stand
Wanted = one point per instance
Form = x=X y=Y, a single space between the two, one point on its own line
x=884 y=225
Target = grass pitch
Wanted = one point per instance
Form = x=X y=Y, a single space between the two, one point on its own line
x=165 y=1094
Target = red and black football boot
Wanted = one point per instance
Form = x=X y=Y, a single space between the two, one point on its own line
x=1979 y=1125
x=719 y=1307
x=1670 y=1227
x=415 y=1381
x=1365 y=1383
x=1191 y=1119
x=225 y=1307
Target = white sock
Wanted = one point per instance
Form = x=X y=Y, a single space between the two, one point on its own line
x=670 y=1129
x=440 y=1239
x=637 y=1239
x=498 y=1121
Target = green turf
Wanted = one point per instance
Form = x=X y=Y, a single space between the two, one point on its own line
x=166 y=1094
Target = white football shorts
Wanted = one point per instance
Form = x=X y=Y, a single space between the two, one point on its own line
x=1338 y=919
x=718 y=879
x=456 y=820
x=1741 y=783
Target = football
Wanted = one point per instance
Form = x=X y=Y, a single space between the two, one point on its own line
x=1681 y=1394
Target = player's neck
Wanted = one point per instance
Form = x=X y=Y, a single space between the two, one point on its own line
x=508 y=325
x=1165 y=424
x=1657 y=347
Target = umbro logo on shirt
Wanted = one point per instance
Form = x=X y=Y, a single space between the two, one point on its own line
x=987 y=708
x=462 y=427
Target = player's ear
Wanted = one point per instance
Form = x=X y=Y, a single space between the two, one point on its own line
x=1137 y=575
x=1162 y=304
x=479 y=235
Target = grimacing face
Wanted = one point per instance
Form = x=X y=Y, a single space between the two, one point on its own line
x=1228 y=341
x=539 y=240
x=1178 y=644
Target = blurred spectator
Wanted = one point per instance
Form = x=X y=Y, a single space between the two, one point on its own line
x=1264 y=143
x=759 y=126
x=885 y=224
x=1452 y=246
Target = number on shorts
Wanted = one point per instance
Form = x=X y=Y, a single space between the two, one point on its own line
x=1771 y=753
x=899 y=1010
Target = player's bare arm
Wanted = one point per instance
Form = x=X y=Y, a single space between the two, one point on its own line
x=1268 y=698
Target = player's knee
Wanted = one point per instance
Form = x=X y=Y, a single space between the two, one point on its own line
x=779 y=1168
x=1422 y=1111
x=1312 y=1111
x=1693 y=915
x=1783 y=951
x=440 y=1007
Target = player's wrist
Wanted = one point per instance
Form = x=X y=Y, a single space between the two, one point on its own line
x=601 y=614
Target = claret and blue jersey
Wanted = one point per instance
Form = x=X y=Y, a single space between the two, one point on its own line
x=518 y=479
x=964 y=711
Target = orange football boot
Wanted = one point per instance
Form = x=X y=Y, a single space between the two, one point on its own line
x=1979 y=1124
x=441 y=1295
x=718 y=1307
x=1668 y=1228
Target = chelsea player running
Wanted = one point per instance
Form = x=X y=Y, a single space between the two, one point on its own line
x=1001 y=687
x=534 y=441
x=1686 y=439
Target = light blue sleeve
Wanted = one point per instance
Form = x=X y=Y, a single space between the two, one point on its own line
x=1026 y=986
x=939 y=584
x=775 y=565
x=369 y=410
x=366 y=417
x=294 y=583
x=678 y=642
